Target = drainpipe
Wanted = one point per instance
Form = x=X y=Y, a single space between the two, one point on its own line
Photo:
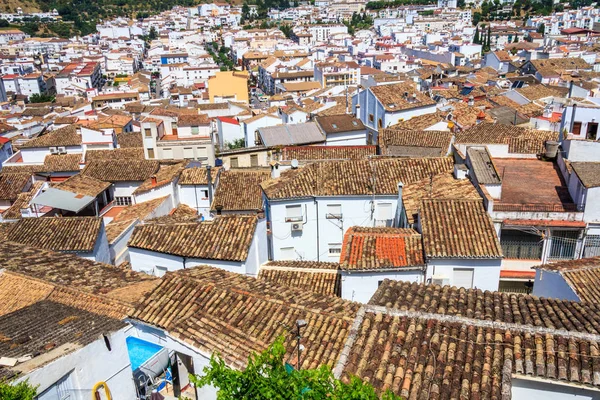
x=573 y=117
x=570 y=90
x=317 y=219
x=209 y=181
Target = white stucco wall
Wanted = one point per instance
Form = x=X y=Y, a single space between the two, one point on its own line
x=581 y=150
x=312 y=244
x=528 y=389
x=552 y=284
x=38 y=154
x=360 y=286
x=122 y=189
x=486 y=272
x=194 y=196
x=101 y=248
x=89 y=365
x=169 y=189
x=119 y=252
x=356 y=138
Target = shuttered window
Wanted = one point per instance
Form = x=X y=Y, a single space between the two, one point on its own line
x=463 y=277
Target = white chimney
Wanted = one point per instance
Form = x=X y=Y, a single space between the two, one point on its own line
x=460 y=171
x=471 y=101
x=275 y=170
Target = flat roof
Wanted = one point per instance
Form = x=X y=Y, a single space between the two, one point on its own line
x=63 y=200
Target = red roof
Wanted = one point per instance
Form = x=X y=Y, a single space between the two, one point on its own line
x=10 y=76
x=229 y=120
x=4 y=140
x=549 y=223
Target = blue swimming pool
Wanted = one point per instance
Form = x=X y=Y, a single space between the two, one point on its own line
x=140 y=351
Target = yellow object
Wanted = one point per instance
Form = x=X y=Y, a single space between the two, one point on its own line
x=97 y=386
x=450 y=124
x=228 y=85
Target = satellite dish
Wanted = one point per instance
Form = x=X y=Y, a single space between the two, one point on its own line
x=294 y=163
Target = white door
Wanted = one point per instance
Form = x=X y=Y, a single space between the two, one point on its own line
x=463 y=277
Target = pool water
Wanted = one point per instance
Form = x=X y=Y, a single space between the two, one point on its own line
x=140 y=351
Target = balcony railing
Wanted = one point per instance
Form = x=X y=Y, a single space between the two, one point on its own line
x=522 y=250
x=562 y=249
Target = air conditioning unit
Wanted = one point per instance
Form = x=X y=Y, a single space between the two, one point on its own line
x=62 y=150
x=297 y=227
x=53 y=150
x=440 y=280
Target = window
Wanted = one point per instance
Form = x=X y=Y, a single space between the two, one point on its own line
x=148 y=132
x=379 y=123
x=293 y=213
x=167 y=153
x=234 y=162
x=188 y=153
x=150 y=153
x=195 y=130
x=254 y=160
x=122 y=200
x=463 y=277
x=160 y=271
x=61 y=390
x=384 y=214
x=205 y=194
x=371 y=118
x=335 y=249
x=334 y=211
x=288 y=253
x=202 y=152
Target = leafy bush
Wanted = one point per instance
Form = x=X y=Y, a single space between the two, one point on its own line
x=20 y=391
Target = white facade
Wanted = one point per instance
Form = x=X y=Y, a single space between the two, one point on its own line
x=482 y=274
x=360 y=286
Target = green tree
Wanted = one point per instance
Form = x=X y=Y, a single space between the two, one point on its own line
x=245 y=10
x=541 y=29
x=476 y=38
x=236 y=144
x=20 y=391
x=40 y=98
x=267 y=377
x=153 y=34
x=4 y=23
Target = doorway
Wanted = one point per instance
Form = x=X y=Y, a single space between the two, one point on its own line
x=592 y=130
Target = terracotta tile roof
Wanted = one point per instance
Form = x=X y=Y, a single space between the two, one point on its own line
x=353 y=177
x=467 y=116
x=588 y=173
x=381 y=249
x=220 y=311
x=140 y=210
x=339 y=123
x=57 y=233
x=66 y=270
x=227 y=237
x=183 y=213
x=114 y=229
x=392 y=97
x=536 y=92
x=440 y=186
x=23 y=169
x=193 y=120
x=66 y=136
x=121 y=170
x=129 y=140
x=198 y=176
x=82 y=184
x=239 y=190
x=165 y=175
x=17 y=292
x=458 y=229
x=420 y=122
x=47 y=326
x=125 y=153
x=12 y=184
x=62 y=162
x=22 y=201
x=318 y=277
x=393 y=142
x=519 y=140
x=582 y=276
x=439 y=357
x=304 y=153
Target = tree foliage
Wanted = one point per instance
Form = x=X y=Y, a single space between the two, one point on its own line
x=20 y=391
x=40 y=98
x=378 y=5
x=266 y=377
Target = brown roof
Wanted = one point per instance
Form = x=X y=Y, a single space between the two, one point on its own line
x=82 y=184
x=381 y=249
x=114 y=229
x=166 y=174
x=124 y=153
x=239 y=190
x=414 y=143
x=588 y=173
x=192 y=120
x=440 y=186
x=57 y=233
x=131 y=139
x=182 y=213
x=22 y=201
x=227 y=237
x=536 y=92
x=12 y=184
x=353 y=177
x=65 y=136
x=458 y=229
x=198 y=176
x=305 y=153
x=519 y=140
x=121 y=170
x=420 y=122
x=392 y=97
x=30 y=291
x=67 y=270
x=62 y=162
x=582 y=276
x=318 y=277
x=140 y=210
x=339 y=123
x=23 y=169
x=246 y=315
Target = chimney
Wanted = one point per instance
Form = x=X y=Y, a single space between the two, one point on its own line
x=275 y=170
x=570 y=90
x=573 y=117
x=209 y=181
x=153 y=180
x=460 y=171
x=400 y=206
x=471 y=101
